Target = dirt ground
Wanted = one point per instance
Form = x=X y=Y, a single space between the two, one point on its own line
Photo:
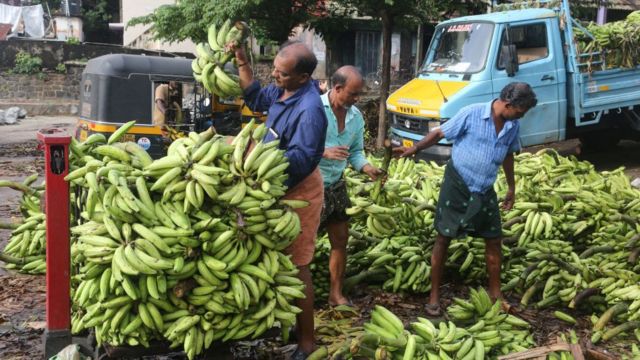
x=22 y=297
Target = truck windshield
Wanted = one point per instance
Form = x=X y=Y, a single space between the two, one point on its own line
x=459 y=48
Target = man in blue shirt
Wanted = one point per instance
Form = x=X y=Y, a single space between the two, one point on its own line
x=344 y=145
x=484 y=136
x=296 y=118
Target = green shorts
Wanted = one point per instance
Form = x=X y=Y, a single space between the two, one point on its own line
x=460 y=212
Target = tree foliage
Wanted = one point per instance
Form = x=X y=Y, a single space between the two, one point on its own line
x=270 y=20
x=95 y=15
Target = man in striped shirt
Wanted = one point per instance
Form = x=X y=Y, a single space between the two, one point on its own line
x=484 y=137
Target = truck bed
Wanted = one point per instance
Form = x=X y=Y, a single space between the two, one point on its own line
x=603 y=90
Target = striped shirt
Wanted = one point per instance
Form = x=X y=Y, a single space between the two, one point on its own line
x=351 y=136
x=478 y=152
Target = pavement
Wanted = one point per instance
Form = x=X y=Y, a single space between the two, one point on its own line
x=26 y=129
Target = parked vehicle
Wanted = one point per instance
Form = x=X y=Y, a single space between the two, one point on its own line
x=118 y=88
x=470 y=59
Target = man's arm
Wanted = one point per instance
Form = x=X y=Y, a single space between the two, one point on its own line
x=357 y=159
x=255 y=97
x=430 y=139
x=356 y=149
x=244 y=68
x=510 y=197
x=161 y=106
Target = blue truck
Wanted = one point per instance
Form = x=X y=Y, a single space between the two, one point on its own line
x=470 y=59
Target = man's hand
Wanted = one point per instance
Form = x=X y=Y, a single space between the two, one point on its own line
x=404 y=152
x=509 y=199
x=241 y=55
x=336 y=153
x=372 y=171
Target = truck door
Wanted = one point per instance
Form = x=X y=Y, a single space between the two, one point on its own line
x=537 y=67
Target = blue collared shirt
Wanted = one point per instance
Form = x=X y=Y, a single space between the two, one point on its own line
x=477 y=151
x=351 y=136
x=298 y=122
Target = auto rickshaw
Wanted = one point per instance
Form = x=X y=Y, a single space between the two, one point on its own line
x=118 y=88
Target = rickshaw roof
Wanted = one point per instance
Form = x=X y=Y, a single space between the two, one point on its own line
x=124 y=65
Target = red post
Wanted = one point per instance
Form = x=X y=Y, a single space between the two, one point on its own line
x=56 y=149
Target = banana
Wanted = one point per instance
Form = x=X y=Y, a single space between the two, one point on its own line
x=222 y=33
x=123 y=129
x=212 y=37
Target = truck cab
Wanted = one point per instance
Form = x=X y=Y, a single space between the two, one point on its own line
x=466 y=64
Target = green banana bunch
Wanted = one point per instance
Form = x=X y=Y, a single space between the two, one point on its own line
x=571 y=240
x=616 y=43
x=212 y=56
x=185 y=248
x=26 y=247
x=494 y=333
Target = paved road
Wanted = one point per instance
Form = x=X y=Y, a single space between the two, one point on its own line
x=26 y=129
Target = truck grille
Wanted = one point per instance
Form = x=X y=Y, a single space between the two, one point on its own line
x=407 y=123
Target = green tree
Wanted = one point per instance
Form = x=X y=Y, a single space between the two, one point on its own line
x=270 y=20
x=95 y=15
x=390 y=13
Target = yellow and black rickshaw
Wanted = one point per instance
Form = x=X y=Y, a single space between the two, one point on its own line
x=118 y=88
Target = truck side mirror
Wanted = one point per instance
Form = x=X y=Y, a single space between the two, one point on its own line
x=509 y=59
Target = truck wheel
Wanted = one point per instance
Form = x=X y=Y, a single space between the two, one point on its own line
x=597 y=142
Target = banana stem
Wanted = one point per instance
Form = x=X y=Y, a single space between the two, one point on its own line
x=563 y=264
x=361 y=236
x=609 y=314
x=375 y=193
x=320 y=353
x=515 y=220
x=620 y=328
x=8 y=225
x=17 y=186
x=633 y=256
x=597 y=249
x=18 y=261
x=583 y=295
x=352 y=281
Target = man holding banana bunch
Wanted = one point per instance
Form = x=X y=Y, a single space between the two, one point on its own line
x=296 y=118
x=484 y=136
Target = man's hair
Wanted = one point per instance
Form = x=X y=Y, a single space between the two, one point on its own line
x=343 y=74
x=306 y=61
x=519 y=94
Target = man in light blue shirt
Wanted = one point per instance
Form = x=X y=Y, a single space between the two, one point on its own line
x=484 y=137
x=344 y=145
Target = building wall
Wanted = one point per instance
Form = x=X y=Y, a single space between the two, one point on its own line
x=138 y=37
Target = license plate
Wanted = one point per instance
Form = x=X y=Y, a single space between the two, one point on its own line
x=407 y=143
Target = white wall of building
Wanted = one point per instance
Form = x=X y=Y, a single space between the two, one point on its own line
x=138 y=36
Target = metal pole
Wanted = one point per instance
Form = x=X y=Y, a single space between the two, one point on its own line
x=419 y=49
x=57 y=334
x=602 y=12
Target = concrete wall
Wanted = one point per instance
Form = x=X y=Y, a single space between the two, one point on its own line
x=54 y=52
x=42 y=94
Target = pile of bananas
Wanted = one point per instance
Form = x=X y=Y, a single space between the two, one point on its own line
x=25 y=250
x=405 y=204
x=173 y=133
x=212 y=56
x=320 y=269
x=493 y=332
x=185 y=248
x=571 y=239
x=617 y=40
